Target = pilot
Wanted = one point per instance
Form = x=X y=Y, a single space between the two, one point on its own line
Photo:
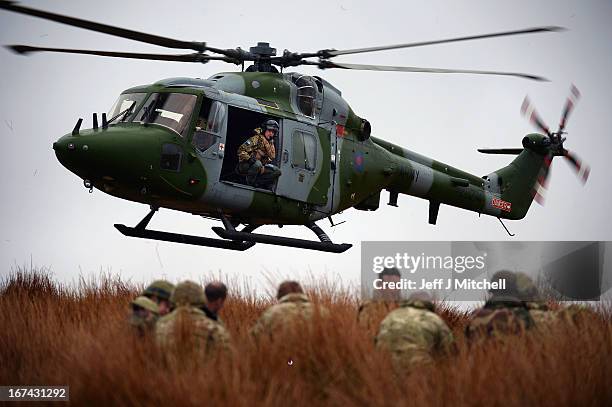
x=255 y=156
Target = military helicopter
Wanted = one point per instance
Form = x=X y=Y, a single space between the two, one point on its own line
x=173 y=144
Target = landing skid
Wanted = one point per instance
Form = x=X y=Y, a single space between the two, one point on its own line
x=185 y=239
x=233 y=239
x=324 y=245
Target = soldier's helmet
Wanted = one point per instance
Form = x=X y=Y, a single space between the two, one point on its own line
x=527 y=290
x=188 y=293
x=145 y=303
x=509 y=289
x=420 y=299
x=160 y=289
x=271 y=125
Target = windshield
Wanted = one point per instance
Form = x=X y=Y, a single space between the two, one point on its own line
x=171 y=110
x=124 y=108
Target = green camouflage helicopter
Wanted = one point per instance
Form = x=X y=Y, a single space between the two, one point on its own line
x=173 y=144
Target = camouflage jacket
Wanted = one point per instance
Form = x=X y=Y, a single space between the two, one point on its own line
x=371 y=312
x=257 y=147
x=290 y=309
x=143 y=325
x=188 y=327
x=500 y=316
x=542 y=316
x=413 y=334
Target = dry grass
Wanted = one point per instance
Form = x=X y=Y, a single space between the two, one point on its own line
x=53 y=335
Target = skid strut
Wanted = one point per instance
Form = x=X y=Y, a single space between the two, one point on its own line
x=325 y=244
x=141 y=231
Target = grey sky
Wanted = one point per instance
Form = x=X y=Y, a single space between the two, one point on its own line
x=46 y=213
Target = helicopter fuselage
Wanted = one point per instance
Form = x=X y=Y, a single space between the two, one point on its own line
x=174 y=145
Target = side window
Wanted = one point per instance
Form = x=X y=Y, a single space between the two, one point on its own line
x=209 y=124
x=171 y=157
x=304 y=151
x=306 y=94
x=216 y=117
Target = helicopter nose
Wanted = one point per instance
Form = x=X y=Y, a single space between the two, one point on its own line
x=128 y=162
x=94 y=155
x=61 y=148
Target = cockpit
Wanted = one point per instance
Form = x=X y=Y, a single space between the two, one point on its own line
x=170 y=110
x=124 y=109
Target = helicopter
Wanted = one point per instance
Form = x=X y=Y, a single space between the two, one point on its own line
x=173 y=144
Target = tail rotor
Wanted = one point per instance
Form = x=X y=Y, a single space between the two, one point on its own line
x=556 y=144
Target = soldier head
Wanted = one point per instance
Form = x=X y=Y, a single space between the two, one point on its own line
x=288 y=287
x=420 y=299
x=506 y=284
x=270 y=128
x=216 y=293
x=388 y=275
x=188 y=293
x=160 y=291
x=144 y=312
x=527 y=290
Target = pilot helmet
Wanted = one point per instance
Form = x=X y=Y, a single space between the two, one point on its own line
x=270 y=125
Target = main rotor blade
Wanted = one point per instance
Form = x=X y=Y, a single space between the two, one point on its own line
x=107 y=29
x=569 y=106
x=534 y=30
x=195 y=57
x=328 y=64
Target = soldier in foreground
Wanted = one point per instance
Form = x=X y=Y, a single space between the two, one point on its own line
x=414 y=333
x=503 y=314
x=216 y=293
x=187 y=328
x=539 y=310
x=255 y=156
x=384 y=300
x=159 y=291
x=293 y=307
x=144 y=315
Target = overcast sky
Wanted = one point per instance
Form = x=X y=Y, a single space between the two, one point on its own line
x=47 y=215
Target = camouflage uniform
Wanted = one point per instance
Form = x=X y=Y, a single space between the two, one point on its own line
x=413 y=334
x=371 y=312
x=187 y=327
x=500 y=316
x=542 y=316
x=257 y=146
x=255 y=154
x=144 y=315
x=290 y=309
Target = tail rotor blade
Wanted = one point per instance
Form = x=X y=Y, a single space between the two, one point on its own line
x=541 y=185
x=569 y=106
x=528 y=110
x=582 y=170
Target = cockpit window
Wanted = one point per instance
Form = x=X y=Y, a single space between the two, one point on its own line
x=171 y=110
x=209 y=124
x=306 y=94
x=124 y=108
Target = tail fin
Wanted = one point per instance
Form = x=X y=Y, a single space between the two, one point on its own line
x=511 y=189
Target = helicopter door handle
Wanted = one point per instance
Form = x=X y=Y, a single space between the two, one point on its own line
x=285 y=156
